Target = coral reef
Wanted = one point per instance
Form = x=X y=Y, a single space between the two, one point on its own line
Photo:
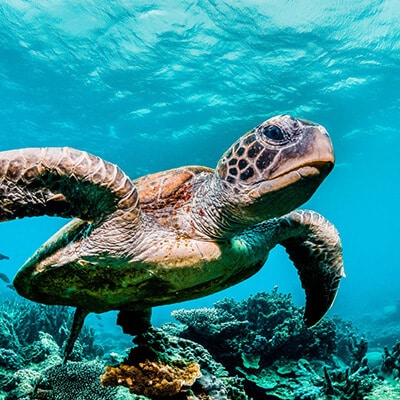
x=164 y=345
x=264 y=340
x=22 y=324
x=381 y=325
x=258 y=331
x=257 y=348
x=350 y=346
x=163 y=365
x=391 y=361
x=76 y=381
x=31 y=339
x=40 y=374
x=301 y=379
x=349 y=386
x=152 y=378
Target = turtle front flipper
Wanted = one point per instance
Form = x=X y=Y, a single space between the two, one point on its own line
x=68 y=183
x=314 y=246
x=62 y=182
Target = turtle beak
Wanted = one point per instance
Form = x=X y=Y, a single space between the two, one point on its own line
x=322 y=157
x=313 y=157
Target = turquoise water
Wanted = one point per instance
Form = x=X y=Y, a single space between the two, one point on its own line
x=169 y=83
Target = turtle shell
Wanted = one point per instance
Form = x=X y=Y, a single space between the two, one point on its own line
x=167 y=190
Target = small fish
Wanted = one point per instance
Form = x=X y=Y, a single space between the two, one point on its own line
x=4 y=278
x=11 y=286
x=3 y=257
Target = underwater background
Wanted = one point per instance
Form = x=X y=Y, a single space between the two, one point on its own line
x=157 y=85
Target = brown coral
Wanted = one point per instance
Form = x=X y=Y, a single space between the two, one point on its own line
x=152 y=378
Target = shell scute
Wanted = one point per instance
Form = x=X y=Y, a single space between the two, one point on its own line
x=174 y=181
x=167 y=188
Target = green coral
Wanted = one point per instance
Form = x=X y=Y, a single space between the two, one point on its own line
x=391 y=361
x=258 y=330
x=264 y=340
x=159 y=344
x=22 y=324
x=258 y=348
x=31 y=339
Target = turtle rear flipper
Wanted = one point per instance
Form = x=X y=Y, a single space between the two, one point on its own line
x=63 y=182
x=77 y=324
x=134 y=321
x=315 y=248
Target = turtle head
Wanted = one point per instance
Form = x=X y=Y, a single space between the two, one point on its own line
x=276 y=167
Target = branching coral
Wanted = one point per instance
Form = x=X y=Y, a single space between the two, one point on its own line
x=262 y=328
x=152 y=378
x=23 y=320
x=256 y=348
x=391 y=361
x=351 y=348
x=208 y=321
x=265 y=340
x=30 y=339
x=347 y=385
x=23 y=326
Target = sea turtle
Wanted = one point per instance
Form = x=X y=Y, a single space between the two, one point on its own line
x=174 y=235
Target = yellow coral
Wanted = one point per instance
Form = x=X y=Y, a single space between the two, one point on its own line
x=152 y=378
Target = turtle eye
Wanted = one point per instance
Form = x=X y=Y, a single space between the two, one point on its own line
x=273 y=132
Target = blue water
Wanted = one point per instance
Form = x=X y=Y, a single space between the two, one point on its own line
x=169 y=83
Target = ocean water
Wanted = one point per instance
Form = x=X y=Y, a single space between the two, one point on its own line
x=157 y=85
